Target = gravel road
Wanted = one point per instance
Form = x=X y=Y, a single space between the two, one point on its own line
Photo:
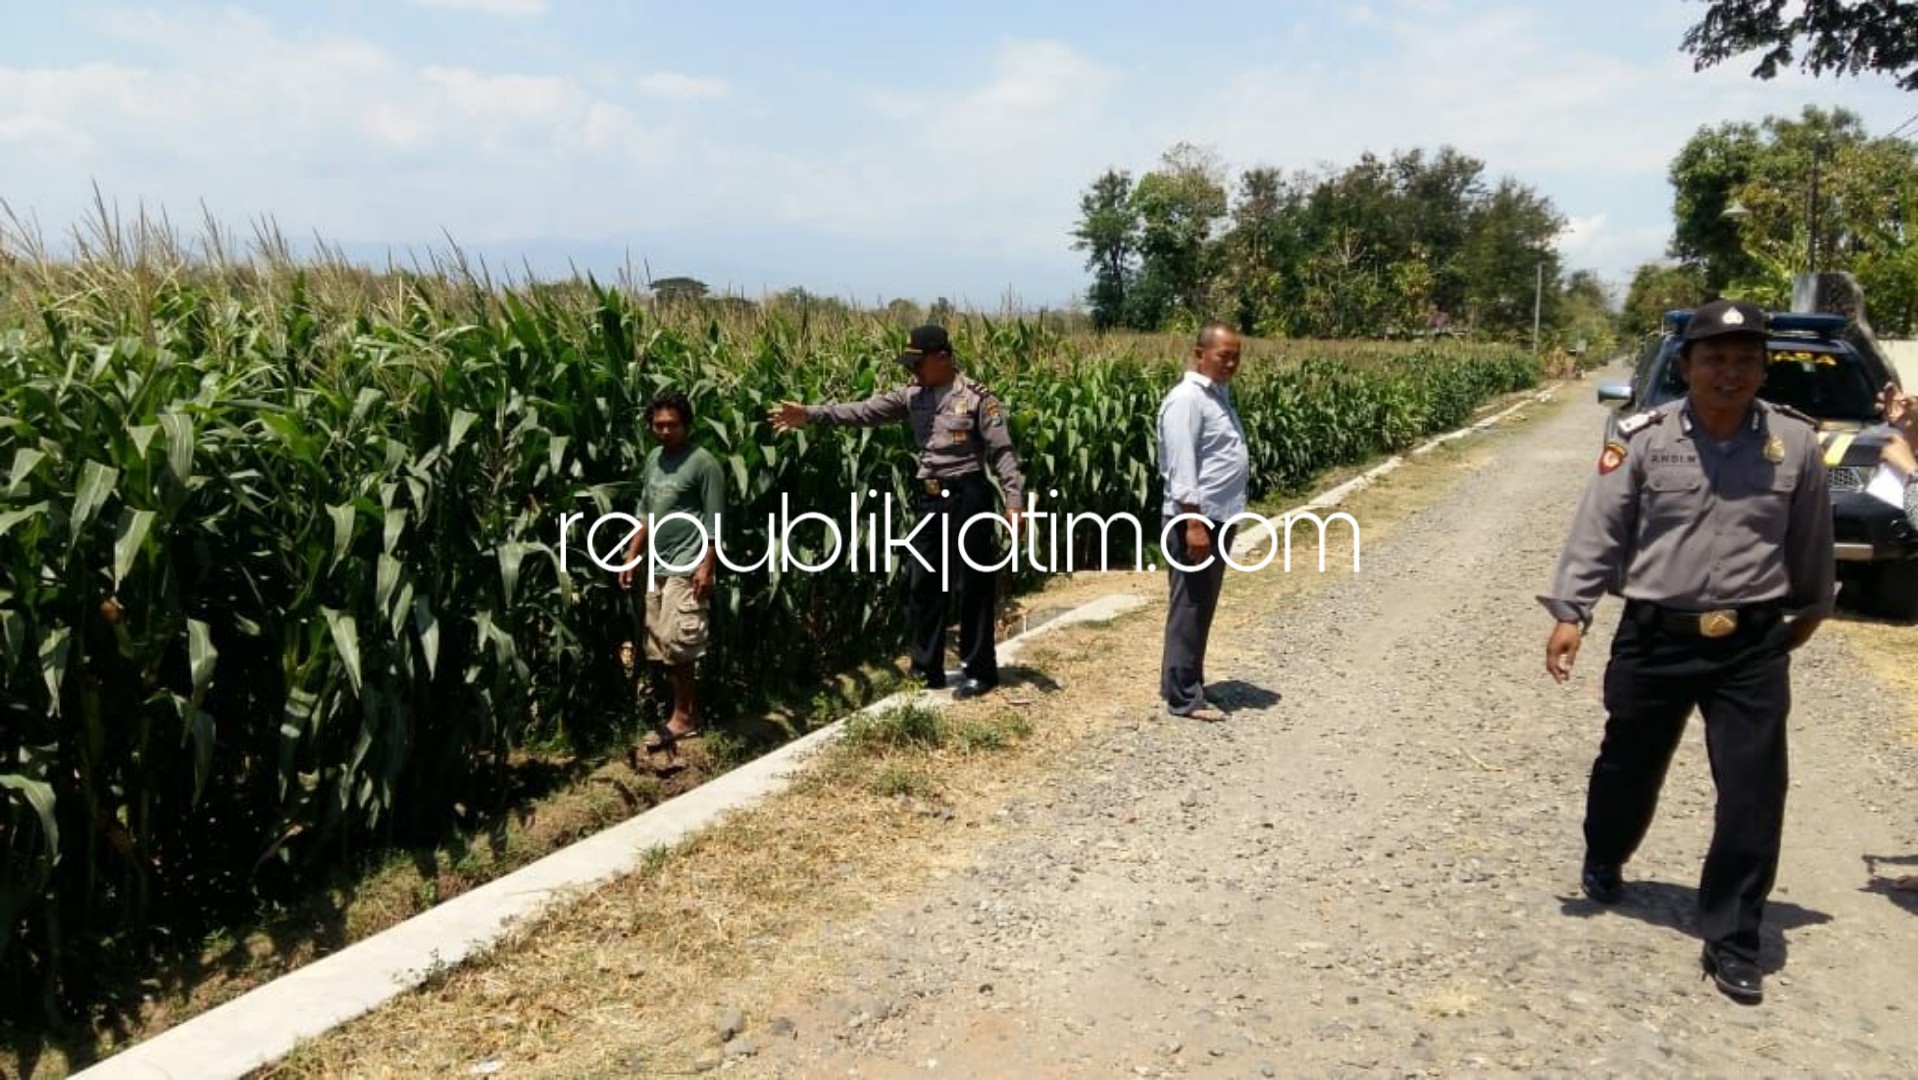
x=1377 y=871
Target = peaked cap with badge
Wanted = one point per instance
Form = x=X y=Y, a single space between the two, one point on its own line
x=1725 y=318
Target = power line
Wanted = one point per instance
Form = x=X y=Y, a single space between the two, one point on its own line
x=1909 y=121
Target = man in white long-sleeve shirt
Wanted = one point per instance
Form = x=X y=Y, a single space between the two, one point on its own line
x=1203 y=461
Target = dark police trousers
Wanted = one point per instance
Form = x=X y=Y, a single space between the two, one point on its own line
x=1742 y=687
x=978 y=609
x=1188 y=617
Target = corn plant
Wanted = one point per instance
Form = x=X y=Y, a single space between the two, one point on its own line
x=282 y=545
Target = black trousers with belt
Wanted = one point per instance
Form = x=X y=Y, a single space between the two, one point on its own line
x=1741 y=685
x=1188 y=616
x=978 y=589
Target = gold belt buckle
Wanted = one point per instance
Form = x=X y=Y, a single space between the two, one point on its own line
x=1717 y=624
x=931 y=484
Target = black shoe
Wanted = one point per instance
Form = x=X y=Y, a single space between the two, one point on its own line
x=1603 y=882
x=972 y=688
x=1738 y=978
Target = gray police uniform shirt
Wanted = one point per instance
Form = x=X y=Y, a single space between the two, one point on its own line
x=1677 y=519
x=1202 y=453
x=960 y=428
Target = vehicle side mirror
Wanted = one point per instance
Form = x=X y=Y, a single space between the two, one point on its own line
x=1614 y=393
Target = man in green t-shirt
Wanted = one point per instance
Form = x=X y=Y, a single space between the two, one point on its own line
x=678 y=478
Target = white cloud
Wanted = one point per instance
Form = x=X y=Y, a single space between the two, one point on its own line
x=353 y=139
x=490 y=7
x=1495 y=86
x=338 y=136
x=503 y=99
x=1580 y=234
x=1593 y=242
x=994 y=165
x=1513 y=86
x=674 y=86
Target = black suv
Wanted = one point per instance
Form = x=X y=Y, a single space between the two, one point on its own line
x=1816 y=371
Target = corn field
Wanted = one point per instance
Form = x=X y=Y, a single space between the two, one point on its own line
x=279 y=547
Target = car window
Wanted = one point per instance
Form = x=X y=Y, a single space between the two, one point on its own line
x=1823 y=380
x=1670 y=385
x=1646 y=355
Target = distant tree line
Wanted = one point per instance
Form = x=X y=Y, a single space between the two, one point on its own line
x=1384 y=247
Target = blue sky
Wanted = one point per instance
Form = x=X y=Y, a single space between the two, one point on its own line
x=862 y=149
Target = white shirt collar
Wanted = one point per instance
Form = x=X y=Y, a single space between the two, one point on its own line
x=1195 y=377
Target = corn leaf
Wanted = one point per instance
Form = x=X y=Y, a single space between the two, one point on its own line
x=126 y=547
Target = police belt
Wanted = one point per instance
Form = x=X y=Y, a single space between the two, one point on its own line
x=930 y=486
x=1714 y=623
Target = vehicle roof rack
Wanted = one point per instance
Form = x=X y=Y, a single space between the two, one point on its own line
x=1777 y=322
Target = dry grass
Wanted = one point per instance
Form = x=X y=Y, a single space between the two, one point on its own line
x=629 y=973
x=758 y=908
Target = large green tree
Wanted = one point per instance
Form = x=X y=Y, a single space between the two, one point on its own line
x=1179 y=204
x=1368 y=249
x=1358 y=228
x=1710 y=168
x=1108 y=232
x=1586 y=320
x=1510 y=251
x=1657 y=288
x=1836 y=36
x=1263 y=237
x=1754 y=205
x=1441 y=192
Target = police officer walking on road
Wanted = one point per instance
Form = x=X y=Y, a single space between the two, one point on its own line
x=960 y=429
x=1710 y=517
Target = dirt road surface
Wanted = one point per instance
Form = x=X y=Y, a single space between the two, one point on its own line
x=1372 y=867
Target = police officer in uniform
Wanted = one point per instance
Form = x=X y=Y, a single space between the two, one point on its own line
x=1710 y=517
x=960 y=428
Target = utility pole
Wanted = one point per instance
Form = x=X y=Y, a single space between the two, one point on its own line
x=1538 y=303
x=1811 y=215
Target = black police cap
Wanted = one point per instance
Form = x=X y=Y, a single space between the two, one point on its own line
x=1724 y=318
x=923 y=342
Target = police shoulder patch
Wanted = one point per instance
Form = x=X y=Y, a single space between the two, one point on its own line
x=1611 y=457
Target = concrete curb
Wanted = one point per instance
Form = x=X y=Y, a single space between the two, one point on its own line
x=264 y=1024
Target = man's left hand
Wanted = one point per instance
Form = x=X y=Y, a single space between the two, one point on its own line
x=1561 y=650
x=703 y=581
